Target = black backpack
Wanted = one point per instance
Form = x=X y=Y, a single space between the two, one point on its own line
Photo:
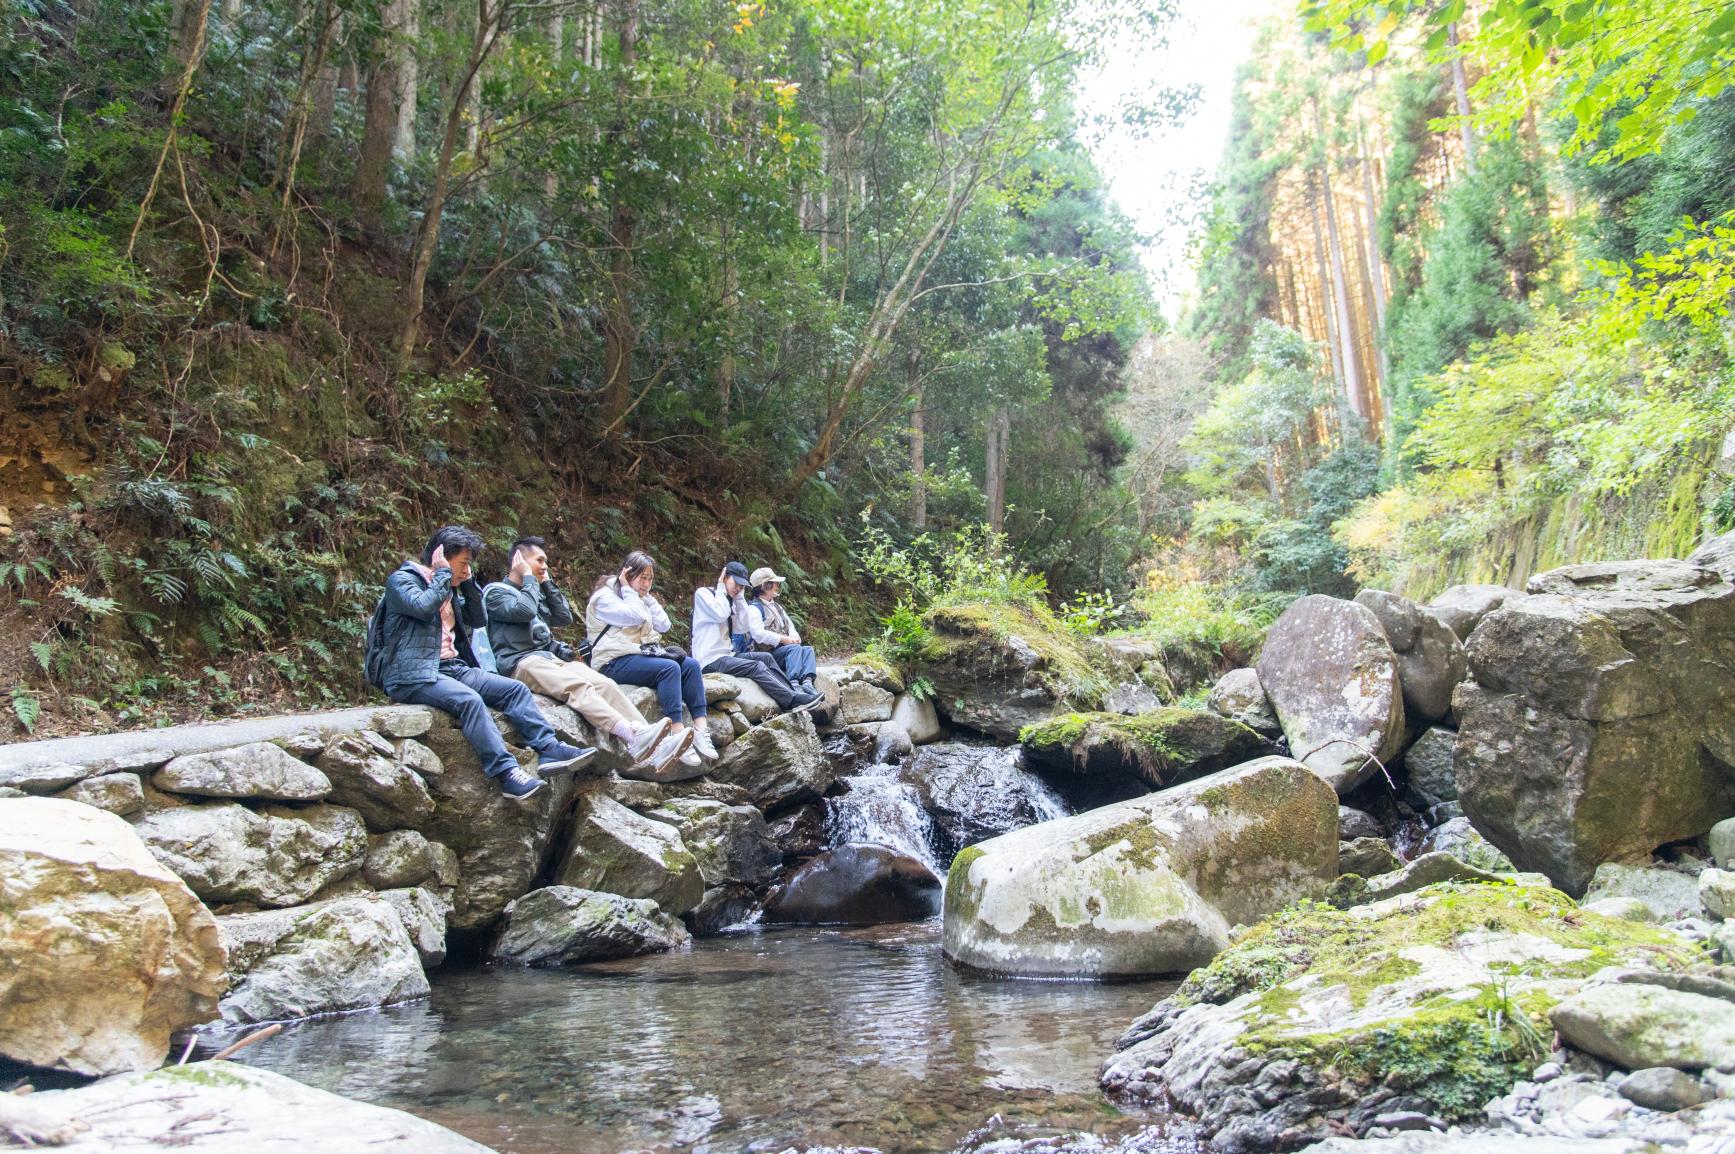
x=374 y=656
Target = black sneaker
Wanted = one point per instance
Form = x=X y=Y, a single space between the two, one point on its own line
x=562 y=758
x=805 y=701
x=518 y=785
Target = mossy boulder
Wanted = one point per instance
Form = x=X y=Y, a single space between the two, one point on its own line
x=1147 y=886
x=997 y=668
x=1597 y=726
x=1319 y=1019
x=1160 y=748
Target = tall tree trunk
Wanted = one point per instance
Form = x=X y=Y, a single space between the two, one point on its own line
x=1461 y=94
x=489 y=21
x=1324 y=281
x=408 y=75
x=384 y=112
x=618 y=332
x=1376 y=282
x=187 y=20
x=918 y=444
x=1352 y=377
x=994 y=470
x=731 y=303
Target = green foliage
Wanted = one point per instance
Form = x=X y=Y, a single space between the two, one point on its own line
x=1647 y=64
x=1203 y=630
x=1089 y=614
x=25 y=708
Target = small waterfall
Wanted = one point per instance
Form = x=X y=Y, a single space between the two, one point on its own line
x=884 y=811
x=975 y=792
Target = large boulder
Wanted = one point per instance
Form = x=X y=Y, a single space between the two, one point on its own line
x=423 y=915
x=856 y=885
x=103 y=952
x=261 y=770
x=1161 y=748
x=975 y=792
x=1147 y=886
x=1239 y=696
x=778 y=763
x=367 y=775
x=998 y=668
x=559 y=925
x=1317 y=1022
x=502 y=845
x=223 y=1107
x=274 y=856
x=1462 y=607
x=730 y=842
x=621 y=852
x=1597 y=727
x=347 y=954
x=1431 y=659
x=1332 y=679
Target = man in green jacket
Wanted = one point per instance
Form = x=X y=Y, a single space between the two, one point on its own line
x=523 y=612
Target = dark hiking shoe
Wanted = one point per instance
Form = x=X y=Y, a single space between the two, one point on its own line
x=562 y=758
x=518 y=785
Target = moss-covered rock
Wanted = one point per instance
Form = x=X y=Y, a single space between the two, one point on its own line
x=998 y=667
x=1319 y=1018
x=1161 y=748
x=1146 y=886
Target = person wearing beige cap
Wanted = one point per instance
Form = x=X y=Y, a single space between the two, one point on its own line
x=714 y=614
x=770 y=630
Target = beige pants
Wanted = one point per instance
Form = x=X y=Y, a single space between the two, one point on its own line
x=596 y=698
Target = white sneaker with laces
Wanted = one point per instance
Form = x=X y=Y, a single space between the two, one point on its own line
x=676 y=745
x=649 y=738
x=702 y=742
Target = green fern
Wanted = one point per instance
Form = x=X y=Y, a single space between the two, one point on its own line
x=25 y=708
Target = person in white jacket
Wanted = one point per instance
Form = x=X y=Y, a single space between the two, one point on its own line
x=715 y=611
x=625 y=623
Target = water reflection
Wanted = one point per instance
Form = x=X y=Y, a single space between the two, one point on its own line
x=752 y=1042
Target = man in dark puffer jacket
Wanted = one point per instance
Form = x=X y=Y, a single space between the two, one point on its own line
x=426 y=659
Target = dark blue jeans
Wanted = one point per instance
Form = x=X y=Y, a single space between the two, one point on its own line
x=762 y=670
x=676 y=682
x=798 y=661
x=467 y=694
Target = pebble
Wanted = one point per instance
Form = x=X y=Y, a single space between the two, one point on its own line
x=1547 y=1072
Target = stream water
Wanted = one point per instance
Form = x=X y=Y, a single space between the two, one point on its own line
x=755 y=1041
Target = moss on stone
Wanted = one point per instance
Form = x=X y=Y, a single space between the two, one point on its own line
x=1457 y=1052
x=979 y=631
x=210 y=1075
x=1162 y=746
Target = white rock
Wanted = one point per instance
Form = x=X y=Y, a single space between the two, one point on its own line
x=103 y=952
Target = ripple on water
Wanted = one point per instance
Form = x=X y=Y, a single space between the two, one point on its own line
x=754 y=1041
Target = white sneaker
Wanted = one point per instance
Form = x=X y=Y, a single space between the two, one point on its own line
x=702 y=742
x=676 y=745
x=649 y=738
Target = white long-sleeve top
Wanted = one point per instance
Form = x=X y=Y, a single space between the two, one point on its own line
x=712 y=610
x=631 y=621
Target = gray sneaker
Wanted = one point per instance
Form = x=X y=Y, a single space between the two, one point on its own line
x=648 y=739
x=703 y=744
x=672 y=748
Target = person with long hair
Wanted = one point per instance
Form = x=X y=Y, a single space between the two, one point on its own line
x=625 y=623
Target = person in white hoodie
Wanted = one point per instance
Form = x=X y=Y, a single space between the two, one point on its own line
x=715 y=613
x=625 y=624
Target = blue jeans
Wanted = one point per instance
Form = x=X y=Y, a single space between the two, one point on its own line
x=467 y=694
x=676 y=682
x=798 y=661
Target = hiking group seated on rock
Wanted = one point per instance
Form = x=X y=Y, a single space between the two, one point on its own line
x=420 y=651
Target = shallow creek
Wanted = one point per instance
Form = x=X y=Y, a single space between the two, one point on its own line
x=755 y=1041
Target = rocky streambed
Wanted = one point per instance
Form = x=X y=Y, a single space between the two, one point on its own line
x=1442 y=877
